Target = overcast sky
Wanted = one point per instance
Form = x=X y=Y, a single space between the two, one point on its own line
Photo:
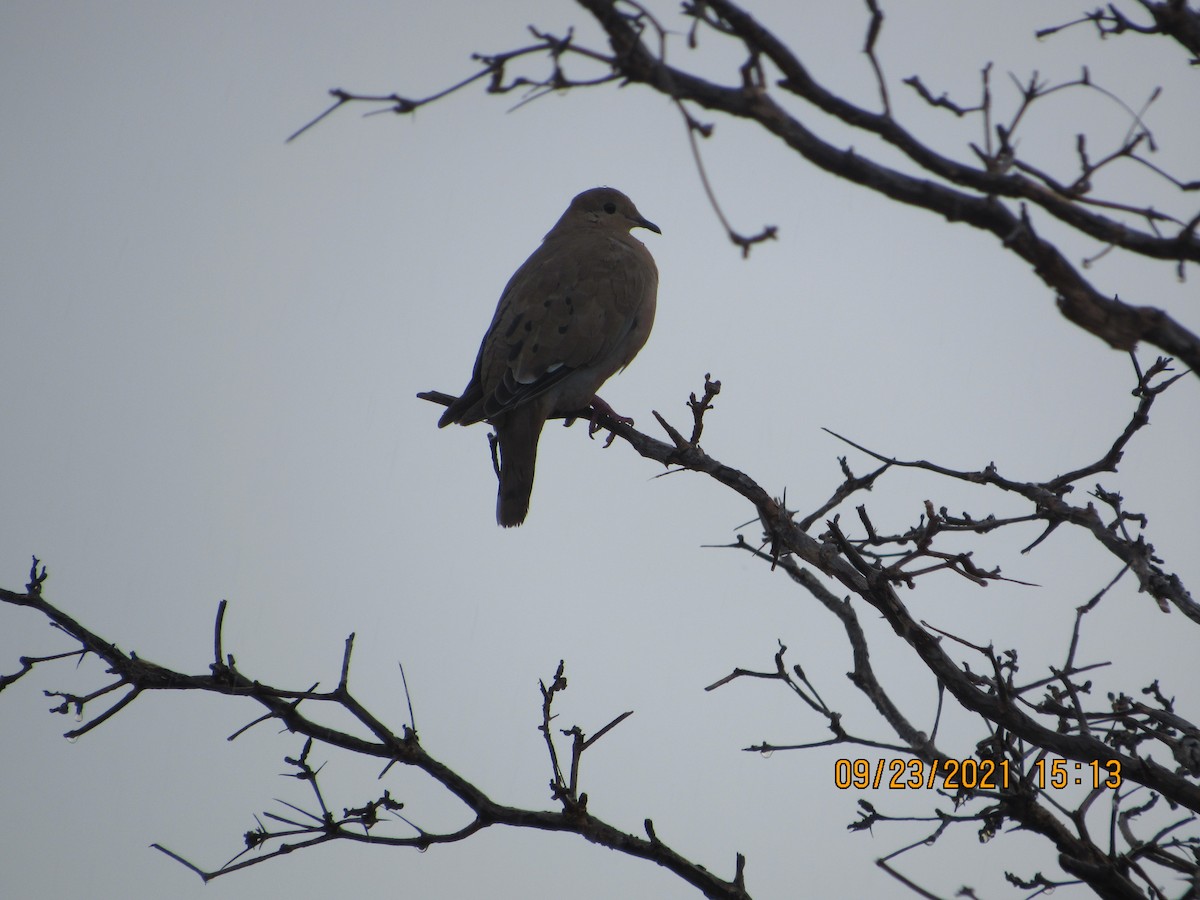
x=213 y=340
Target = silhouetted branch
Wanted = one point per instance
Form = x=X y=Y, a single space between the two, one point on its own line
x=1019 y=743
x=993 y=194
x=367 y=822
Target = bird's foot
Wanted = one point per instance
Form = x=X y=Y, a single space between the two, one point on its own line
x=600 y=408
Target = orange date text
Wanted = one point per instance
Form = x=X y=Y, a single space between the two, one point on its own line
x=915 y=774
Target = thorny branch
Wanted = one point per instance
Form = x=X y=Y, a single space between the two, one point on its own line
x=1156 y=750
x=871 y=566
x=996 y=191
x=367 y=822
x=1172 y=18
x=1027 y=721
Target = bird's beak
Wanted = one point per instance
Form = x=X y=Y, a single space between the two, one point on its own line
x=639 y=222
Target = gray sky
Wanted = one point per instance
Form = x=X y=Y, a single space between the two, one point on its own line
x=212 y=343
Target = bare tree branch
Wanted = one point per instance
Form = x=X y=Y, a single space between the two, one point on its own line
x=359 y=824
x=974 y=194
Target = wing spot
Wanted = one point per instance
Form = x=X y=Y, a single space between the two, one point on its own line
x=515 y=323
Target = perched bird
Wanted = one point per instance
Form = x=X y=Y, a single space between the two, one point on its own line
x=577 y=311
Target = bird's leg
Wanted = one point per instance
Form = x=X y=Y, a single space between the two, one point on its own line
x=494 y=446
x=600 y=408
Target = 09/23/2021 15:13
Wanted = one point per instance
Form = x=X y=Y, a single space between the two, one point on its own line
x=972 y=774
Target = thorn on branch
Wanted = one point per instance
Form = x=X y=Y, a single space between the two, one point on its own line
x=344 y=679
x=218 y=667
x=677 y=438
x=649 y=826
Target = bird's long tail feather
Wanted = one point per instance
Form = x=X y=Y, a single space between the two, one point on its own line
x=518 y=436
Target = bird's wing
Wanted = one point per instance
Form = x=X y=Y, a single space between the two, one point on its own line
x=571 y=306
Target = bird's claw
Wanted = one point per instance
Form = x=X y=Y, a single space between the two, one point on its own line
x=600 y=408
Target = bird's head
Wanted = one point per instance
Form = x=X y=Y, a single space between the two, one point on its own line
x=605 y=207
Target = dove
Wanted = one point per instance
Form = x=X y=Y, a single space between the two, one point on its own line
x=575 y=313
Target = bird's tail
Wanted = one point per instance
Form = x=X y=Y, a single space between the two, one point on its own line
x=518 y=436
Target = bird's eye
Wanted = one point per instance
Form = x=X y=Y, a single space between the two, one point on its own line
x=610 y=208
